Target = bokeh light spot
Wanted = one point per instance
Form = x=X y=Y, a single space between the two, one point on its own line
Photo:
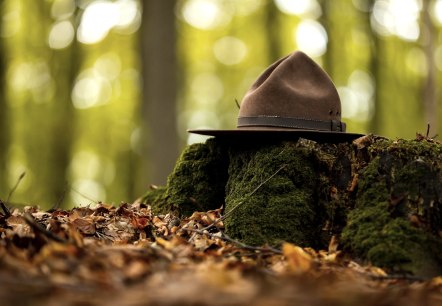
x=11 y=23
x=29 y=75
x=305 y=8
x=311 y=38
x=61 y=35
x=108 y=66
x=230 y=50
x=62 y=9
x=437 y=11
x=357 y=97
x=129 y=17
x=91 y=90
x=397 y=17
x=85 y=190
x=205 y=14
x=100 y=17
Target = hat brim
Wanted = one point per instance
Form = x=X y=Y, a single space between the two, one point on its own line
x=279 y=134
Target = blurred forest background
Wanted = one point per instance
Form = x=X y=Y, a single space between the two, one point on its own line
x=96 y=96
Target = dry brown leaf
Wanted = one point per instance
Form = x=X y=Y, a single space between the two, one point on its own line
x=363 y=142
x=85 y=226
x=436 y=282
x=333 y=245
x=298 y=260
x=140 y=222
x=168 y=245
x=158 y=222
x=19 y=226
x=118 y=252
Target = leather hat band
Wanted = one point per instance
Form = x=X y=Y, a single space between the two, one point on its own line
x=294 y=123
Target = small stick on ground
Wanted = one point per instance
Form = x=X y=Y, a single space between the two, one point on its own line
x=406 y=277
x=228 y=239
x=60 y=199
x=15 y=186
x=39 y=228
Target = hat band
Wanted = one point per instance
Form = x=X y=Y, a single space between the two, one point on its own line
x=290 y=122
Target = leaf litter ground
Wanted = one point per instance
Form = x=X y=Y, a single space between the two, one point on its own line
x=126 y=255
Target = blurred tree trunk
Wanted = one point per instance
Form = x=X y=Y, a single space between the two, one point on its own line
x=326 y=22
x=159 y=136
x=429 y=86
x=273 y=31
x=41 y=127
x=64 y=66
x=4 y=137
x=375 y=122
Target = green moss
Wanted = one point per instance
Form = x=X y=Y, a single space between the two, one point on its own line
x=303 y=192
x=401 y=184
x=197 y=182
x=280 y=209
x=153 y=196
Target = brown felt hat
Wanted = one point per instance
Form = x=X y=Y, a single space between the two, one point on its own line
x=292 y=98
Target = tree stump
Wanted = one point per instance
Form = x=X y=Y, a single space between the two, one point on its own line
x=381 y=198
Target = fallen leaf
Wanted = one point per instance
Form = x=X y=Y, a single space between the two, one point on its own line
x=298 y=260
x=87 y=227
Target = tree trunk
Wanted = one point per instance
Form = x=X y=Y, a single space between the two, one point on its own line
x=429 y=88
x=64 y=66
x=4 y=130
x=273 y=31
x=159 y=131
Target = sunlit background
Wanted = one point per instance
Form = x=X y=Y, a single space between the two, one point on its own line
x=74 y=94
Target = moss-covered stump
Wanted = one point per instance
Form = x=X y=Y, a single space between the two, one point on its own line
x=397 y=219
x=271 y=195
x=381 y=197
x=197 y=182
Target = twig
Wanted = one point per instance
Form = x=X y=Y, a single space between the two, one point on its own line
x=428 y=130
x=397 y=277
x=15 y=186
x=237 y=104
x=222 y=218
x=60 y=199
x=5 y=209
x=228 y=239
x=83 y=195
x=39 y=228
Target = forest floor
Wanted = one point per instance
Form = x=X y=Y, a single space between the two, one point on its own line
x=105 y=255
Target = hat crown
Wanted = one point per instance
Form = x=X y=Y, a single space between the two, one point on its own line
x=293 y=87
